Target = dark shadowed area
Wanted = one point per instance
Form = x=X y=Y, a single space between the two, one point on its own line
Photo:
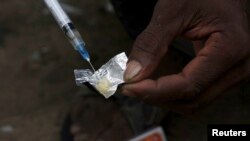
x=37 y=62
x=38 y=90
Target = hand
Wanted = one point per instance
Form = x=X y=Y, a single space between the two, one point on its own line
x=220 y=35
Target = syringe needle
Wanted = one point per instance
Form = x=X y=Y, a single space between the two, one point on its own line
x=91 y=66
x=70 y=31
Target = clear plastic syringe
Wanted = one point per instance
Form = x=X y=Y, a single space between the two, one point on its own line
x=67 y=26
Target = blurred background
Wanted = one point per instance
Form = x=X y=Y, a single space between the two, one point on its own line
x=38 y=90
x=37 y=62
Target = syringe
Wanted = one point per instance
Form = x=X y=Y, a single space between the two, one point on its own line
x=67 y=26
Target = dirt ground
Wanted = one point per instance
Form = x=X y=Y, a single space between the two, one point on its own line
x=37 y=62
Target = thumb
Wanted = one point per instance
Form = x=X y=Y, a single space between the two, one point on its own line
x=148 y=49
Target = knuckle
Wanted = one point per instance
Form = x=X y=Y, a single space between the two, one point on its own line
x=193 y=90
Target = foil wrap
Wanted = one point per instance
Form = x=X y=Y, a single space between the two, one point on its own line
x=106 y=79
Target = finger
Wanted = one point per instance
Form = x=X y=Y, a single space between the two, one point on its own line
x=211 y=62
x=151 y=45
x=162 y=91
x=198 y=45
x=231 y=80
x=237 y=75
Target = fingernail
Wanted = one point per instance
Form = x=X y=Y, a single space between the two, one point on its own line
x=132 y=70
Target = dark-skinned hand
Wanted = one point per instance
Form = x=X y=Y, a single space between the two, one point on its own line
x=220 y=35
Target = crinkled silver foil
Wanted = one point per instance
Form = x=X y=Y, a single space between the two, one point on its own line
x=107 y=78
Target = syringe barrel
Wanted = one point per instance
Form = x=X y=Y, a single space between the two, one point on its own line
x=76 y=40
x=66 y=25
x=73 y=35
x=58 y=13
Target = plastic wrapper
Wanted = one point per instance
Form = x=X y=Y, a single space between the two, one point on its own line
x=107 y=79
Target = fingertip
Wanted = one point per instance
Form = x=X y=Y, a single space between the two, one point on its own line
x=127 y=92
x=138 y=89
x=132 y=70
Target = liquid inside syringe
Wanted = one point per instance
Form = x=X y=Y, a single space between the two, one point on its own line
x=67 y=26
x=76 y=40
